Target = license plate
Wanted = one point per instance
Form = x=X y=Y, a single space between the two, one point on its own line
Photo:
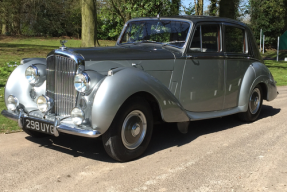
x=39 y=126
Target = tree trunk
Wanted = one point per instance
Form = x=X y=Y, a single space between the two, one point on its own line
x=16 y=17
x=96 y=24
x=228 y=8
x=200 y=7
x=195 y=7
x=4 y=29
x=88 y=23
x=212 y=9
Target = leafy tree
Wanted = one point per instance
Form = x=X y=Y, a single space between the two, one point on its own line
x=285 y=18
x=270 y=16
x=114 y=13
x=228 y=8
x=190 y=10
x=213 y=9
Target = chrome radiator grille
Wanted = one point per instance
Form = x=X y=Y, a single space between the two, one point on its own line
x=60 y=83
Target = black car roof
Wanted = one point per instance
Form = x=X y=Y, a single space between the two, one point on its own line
x=196 y=19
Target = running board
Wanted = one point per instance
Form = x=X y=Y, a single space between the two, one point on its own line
x=194 y=116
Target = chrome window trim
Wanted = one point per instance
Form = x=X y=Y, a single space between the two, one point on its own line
x=156 y=19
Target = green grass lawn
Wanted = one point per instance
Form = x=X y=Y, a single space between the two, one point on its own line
x=272 y=54
x=278 y=70
x=12 y=50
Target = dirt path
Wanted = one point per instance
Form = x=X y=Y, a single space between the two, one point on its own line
x=221 y=154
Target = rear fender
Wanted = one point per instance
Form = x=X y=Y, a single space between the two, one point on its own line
x=117 y=88
x=257 y=73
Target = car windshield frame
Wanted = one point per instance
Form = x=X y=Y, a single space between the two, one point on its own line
x=160 y=43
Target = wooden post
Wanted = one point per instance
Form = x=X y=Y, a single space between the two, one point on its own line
x=278 y=49
x=260 y=39
x=263 y=43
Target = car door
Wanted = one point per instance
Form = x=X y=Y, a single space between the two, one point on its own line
x=202 y=86
x=237 y=55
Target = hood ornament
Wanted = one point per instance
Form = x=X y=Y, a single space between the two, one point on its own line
x=63 y=44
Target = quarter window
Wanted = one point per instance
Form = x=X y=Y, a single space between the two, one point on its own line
x=206 y=39
x=235 y=39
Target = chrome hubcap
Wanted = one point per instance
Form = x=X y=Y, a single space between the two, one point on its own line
x=254 y=101
x=134 y=129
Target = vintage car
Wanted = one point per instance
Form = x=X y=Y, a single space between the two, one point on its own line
x=164 y=69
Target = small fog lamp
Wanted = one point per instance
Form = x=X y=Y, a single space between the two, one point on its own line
x=44 y=103
x=77 y=116
x=12 y=103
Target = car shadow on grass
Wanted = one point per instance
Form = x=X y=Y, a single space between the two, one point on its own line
x=164 y=136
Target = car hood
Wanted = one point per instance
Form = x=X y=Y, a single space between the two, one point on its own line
x=127 y=52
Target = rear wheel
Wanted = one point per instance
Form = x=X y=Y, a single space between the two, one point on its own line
x=254 y=106
x=130 y=132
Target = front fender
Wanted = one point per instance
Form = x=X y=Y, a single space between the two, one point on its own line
x=18 y=86
x=115 y=90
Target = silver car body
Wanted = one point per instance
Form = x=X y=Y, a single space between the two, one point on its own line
x=181 y=84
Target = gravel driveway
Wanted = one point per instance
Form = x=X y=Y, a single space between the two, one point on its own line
x=220 y=154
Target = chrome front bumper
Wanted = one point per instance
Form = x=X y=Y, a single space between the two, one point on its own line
x=58 y=126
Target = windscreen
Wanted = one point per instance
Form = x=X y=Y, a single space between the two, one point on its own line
x=156 y=31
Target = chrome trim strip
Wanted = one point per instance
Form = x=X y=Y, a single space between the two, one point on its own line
x=9 y=115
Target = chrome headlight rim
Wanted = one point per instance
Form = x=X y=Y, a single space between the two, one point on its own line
x=12 y=105
x=35 y=80
x=47 y=101
x=77 y=116
x=84 y=85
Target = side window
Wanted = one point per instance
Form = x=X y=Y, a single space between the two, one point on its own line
x=210 y=38
x=206 y=39
x=235 y=40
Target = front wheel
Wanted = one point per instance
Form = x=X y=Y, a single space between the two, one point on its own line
x=130 y=132
x=254 y=106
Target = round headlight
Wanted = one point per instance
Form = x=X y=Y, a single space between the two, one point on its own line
x=43 y=103
x=81 y=82
x=32 y=74
x=77 y=116
x=12 y=103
